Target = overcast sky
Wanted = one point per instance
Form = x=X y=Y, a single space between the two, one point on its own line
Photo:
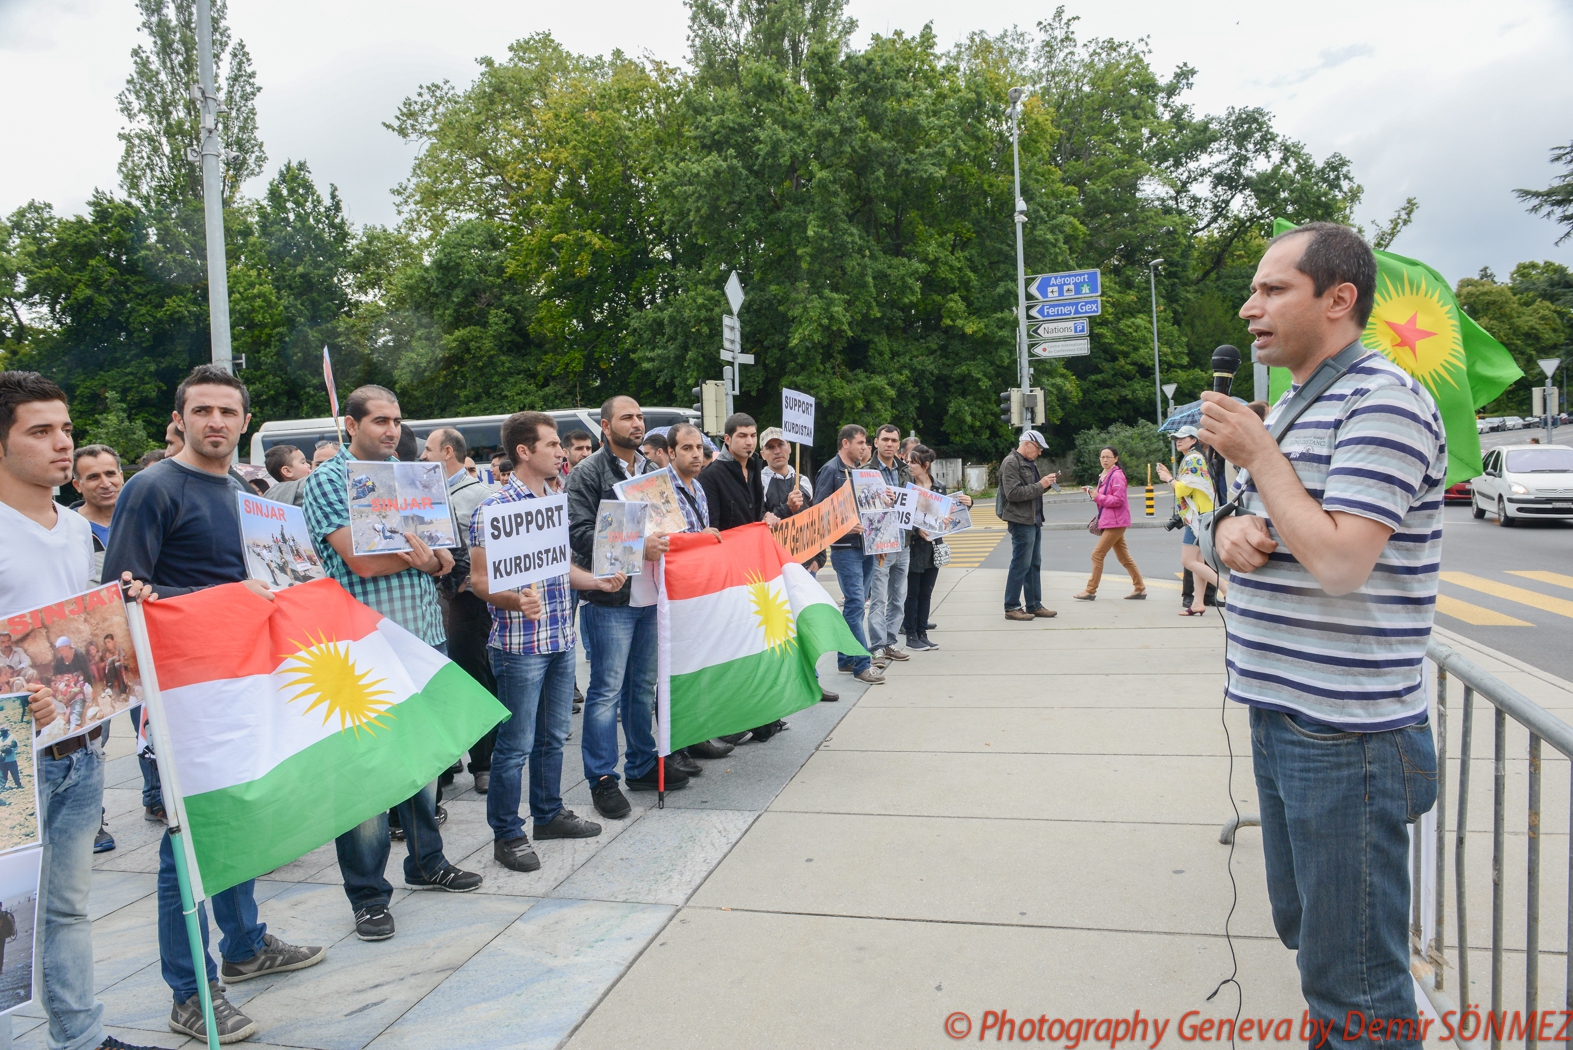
x=1455 y=104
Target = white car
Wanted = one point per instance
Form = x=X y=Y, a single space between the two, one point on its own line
x=1525 y=481
x=1513 y=423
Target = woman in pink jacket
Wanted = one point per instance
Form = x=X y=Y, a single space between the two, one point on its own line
x=1114 y=517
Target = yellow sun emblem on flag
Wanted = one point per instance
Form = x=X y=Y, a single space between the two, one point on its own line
x=1414 y=326
x=325 y=674
x=772 y=612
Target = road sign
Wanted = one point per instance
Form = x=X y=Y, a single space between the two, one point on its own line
x=737 y=358
x=1062 y=348
x=731 y=333
x=1057 y=329
x=734 y=292
x=1077 y=284
x=1061 y=311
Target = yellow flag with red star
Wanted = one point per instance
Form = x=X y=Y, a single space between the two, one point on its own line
x=1417 y=324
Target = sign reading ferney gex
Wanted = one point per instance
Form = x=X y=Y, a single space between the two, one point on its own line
x=525 y=541
x=812 y=529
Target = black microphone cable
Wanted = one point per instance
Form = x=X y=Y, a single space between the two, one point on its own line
x=1234 y=887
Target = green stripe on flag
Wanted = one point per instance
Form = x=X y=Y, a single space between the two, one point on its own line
x=316 y=795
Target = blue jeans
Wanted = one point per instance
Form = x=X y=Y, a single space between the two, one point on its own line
x=854 y=573
x=1024 y=582
x=621 y=641
x=363 y=850
x=537 y=690
x=72 y=797
x=1336 y=808
x=235 y=911
x=887 y=600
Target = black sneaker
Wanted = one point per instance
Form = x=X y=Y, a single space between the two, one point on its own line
x=111 y=1043
x=155 y=814
x=675 y=780
x=609 y=801
x=232 y=1025
x=567 y=825
x=374 y=922
x=918 y=644
x=275 y=957
x=450 y=878
x=442 y=815
x=516 y=854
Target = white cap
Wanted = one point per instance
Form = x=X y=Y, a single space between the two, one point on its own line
x=1036 y=438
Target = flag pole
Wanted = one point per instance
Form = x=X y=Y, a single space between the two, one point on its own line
x=333 y=392
x=174 y=806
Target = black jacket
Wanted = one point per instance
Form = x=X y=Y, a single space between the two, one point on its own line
x=831 y=477
x=779 y=489
x=733 y=501
x=588 y=484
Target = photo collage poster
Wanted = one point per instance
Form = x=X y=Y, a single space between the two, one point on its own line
x=659 y=490
x=278 y=545
x=938 y=515
x=881 y=522
x=619 y=538
x=390 y=499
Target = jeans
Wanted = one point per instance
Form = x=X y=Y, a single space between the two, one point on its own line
x=537 y=690
x=621 y=639
x=235 y=911
x=1336 y=808
x=887 y=599
x=854 y=572
x=1025 y=579
x=920 y=592
x=363 y=850
x=1113 y=540
x=72 y=797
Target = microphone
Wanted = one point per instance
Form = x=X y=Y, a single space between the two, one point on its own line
x=1226 y=362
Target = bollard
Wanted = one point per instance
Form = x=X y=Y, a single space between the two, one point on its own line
x=1151 y=503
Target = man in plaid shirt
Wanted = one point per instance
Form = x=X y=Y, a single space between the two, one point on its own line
x=532 y=654
x=400 y=586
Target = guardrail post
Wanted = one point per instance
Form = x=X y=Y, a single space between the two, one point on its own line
x=1461 y=832
x=1434 y=952
x=1498 y=848
x=1532 y=904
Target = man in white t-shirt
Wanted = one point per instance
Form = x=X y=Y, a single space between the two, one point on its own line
x=48 y=556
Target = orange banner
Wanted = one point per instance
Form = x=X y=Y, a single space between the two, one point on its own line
x=812 y=529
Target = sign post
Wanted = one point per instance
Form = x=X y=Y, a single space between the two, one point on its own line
x=1549 y=366
x=732 y=341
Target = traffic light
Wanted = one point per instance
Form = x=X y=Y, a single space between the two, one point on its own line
x=1035 y=404
x=711 y=406
x=1011 y=404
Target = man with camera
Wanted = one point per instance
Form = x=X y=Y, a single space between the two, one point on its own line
x=1334 y=538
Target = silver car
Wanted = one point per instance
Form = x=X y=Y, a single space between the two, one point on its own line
x=1525 y=481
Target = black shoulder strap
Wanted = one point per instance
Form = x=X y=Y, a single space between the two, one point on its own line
x=1326 y=374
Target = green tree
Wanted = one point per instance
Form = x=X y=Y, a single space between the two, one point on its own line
x=1555 y=202
x=117 y=430
x=1529 y=326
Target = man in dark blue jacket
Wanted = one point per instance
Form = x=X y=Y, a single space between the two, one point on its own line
x=854 y=569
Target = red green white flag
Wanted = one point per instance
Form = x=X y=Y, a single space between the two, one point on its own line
x=740 y=627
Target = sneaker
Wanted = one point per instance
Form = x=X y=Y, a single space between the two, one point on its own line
x=450 y=878
x=1018 y=614
x=111 y=1043
x=928 y=642
x=516 y=854
x=918 y=644
x=567 y=825
x=275 y=957
x=103 y=842
x=609 y=801
x=442 y=815
x=483 y=783
x=232 y=1025
x=892 y=653
x=871 y=677
x=374 y=922
x=675 y=780
x=155 y=814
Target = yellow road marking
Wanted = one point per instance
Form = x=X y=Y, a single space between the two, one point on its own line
x=1475 y=614
x=1553 y=578
x=1560 y=606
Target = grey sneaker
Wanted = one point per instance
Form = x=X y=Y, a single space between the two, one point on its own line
x=275 y=957
x=232 y=1025
x=892 y=653
x=871 y=677
x=483 y=782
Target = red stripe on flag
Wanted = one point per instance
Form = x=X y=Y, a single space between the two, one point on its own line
x=229 y=632
x=697 y=563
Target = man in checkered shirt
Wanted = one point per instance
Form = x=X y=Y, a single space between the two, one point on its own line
x=532 y=654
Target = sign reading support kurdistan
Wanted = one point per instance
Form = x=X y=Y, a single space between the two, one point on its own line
x=1057 y=329
x=797 y=416
x=1063 y=311
x=1063 y=348
x=1076 y=284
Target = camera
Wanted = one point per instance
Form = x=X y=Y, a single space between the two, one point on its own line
x=1175 y=522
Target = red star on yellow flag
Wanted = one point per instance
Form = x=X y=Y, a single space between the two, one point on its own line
x=1409 y=334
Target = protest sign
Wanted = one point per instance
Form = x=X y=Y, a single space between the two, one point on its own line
x=659 y=491
x=18 y=785
x=797 y=416
x=619 y=538
x=278 y=544
x=881 y=532
x=389 y=499
x=81 y=649
x=938 y=515
x=873 y=495
x=901 y=507
x=525 y=541
x=812 y=529
x=18 y=926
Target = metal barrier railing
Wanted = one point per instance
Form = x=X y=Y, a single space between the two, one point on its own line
x=1431 y=954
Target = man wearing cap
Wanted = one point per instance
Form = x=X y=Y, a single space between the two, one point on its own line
x=786 y=491
x=1193 y=497
x=1020 y=505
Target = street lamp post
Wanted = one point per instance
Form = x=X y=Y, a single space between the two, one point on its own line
x=1152 y=284
x=1024 y=372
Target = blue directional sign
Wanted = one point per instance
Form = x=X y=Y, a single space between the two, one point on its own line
x=1078 y=284
x=1060 y=311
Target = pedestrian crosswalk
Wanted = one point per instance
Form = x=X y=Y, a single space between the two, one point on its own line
x=1518 y=599
x=969 y=549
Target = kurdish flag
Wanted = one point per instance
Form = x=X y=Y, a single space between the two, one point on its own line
x=740 y=627
x=289 y=722
x=1416 y=323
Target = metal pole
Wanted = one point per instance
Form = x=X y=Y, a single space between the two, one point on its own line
x=1157 y=383
x=728 y=376
x=1024 y=374
x=212 y=157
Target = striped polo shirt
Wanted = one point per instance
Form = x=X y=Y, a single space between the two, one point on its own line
x=1372 y=445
